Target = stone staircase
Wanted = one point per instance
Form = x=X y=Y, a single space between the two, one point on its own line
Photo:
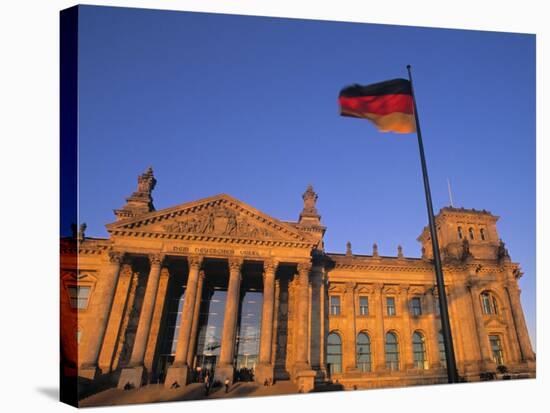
x=154 y=393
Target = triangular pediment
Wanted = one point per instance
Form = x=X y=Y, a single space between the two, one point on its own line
x=218 y=218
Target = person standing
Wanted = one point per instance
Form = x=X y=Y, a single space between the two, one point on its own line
x=206 y=384
x=226 y=382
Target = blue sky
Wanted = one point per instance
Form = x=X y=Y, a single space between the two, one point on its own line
x=248 y=106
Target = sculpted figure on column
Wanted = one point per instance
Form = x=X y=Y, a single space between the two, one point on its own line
x=179 y=371
x=135 y=371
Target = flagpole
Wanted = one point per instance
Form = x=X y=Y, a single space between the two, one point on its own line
x=452 y=372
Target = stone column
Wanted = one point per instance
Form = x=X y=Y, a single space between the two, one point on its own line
x=156 y=321
x=133 y=374
x=406 y=338
x=303 y=374
x=465 y=338
x=112 y=331
x=125 y=321
x=178 y=372
x=380 y=336
x=433 y=330
x=224 y=368
x=486 y=361
x=350 y=331
x=301 y=315
x=519 y=321
x=103 y=299
x=195 y=325
x=323 y=323
x=459 y=337
x=264 y=370
x=316 y=315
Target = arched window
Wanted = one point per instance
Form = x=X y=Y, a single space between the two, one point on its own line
x=364 y=361
x=334 y=353
x=471 y=232
x=489 y=303
x=460 y=235
x=442 y=355
x=482 y=234
x=392 y=352
x=419 y=351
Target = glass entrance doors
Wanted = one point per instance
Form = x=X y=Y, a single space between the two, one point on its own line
x=248 y=335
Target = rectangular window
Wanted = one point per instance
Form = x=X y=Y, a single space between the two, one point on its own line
x=496 y=349
x=416 y=306
x=390 y=306
x=363 y=305
x=334 y=305
x=78 y=296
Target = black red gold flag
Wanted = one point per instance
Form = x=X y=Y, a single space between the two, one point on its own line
x=389 y=105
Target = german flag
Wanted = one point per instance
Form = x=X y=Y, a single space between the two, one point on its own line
x=389 y=105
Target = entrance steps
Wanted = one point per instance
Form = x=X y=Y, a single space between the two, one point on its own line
x=154 y=393
x=151 y=393
x=250 y=389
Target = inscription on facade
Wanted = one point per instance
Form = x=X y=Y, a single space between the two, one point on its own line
x=214 y=251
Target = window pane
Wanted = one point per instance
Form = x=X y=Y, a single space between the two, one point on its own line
x=335 y=305
x=78 y=296
x=496 y=348
x=83 y=292
x=363 y=352
x=390 y=305
x=363 y=305
x=392 y=352
x=334 y=353
x=416 y=306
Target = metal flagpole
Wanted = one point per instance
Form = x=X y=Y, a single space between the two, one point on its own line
x=452 y=372
x=450 y=192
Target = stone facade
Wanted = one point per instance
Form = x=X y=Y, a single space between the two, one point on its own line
x=144 y=302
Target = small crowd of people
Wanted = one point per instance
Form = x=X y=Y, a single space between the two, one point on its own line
x=206 y=376
x=244 y=374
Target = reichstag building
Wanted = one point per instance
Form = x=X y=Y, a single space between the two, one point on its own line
x=218 y=286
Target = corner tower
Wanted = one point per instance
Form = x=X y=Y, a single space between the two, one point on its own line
x=464 y=233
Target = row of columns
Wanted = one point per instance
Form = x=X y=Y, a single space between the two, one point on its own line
x=112 y=295
x=112 y=292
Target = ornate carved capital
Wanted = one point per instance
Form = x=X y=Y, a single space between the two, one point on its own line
x=378 y=287
x=116 y=257
x=270 y=266
x=126 y=270
x=350 y=287
x=156 y=259
x=194 y=261
x=304 y=268
x=235 y=264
